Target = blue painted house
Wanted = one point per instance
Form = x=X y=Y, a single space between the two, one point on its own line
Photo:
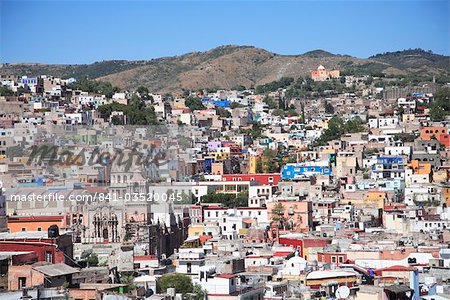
x=388 y=167
x=218 y=103
x=296 y=171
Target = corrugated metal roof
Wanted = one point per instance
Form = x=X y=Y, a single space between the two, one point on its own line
x=56 y=270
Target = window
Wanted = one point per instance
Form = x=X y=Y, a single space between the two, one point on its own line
x=333 y=259
x=22 y=282
x=24 y=229
x=189 y=267
x=48 y=256
x=341 y=259
x=39 y=229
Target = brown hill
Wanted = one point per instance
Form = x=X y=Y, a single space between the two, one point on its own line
x=229 y=66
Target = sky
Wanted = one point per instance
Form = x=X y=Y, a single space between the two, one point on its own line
x=75 y=32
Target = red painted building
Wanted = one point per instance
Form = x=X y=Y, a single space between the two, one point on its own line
x=53 y=250
x=303 y=244
x=444 y=139
x=261 y=179
x=196 y=214
x=335 y=258
x=296 y=243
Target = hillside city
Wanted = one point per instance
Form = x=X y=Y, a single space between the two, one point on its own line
x=330 y=185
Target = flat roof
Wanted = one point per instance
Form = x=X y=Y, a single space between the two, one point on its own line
x=56 y=270
x=100 y=286
x=328 y=274
x=23 y=235
x=9 y=254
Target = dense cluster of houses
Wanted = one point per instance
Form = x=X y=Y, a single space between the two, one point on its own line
x=232 y=194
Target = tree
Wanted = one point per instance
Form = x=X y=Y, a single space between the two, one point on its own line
x=194 y=103
x=255 y=132
x=405 y=137
x=182 y=283
x=278 y=112
x=353 y=125
x=199 y=293
x=368 y=81
x=277 y=214
x=94 y=86
x=117 y=120
x=144 y=93
x=329 y=108
x=92 y=260
x=336 y=128
x=4 y=91
x=270 y=164
x=259 y=165
x=437 y=113
x=228 y=200
x=142 y=90
x=272 y=104
x=440 y=107
x=128 y=279
x=222 y=112
x=235 y=105
x=303 y=113
x=136 y=112
x=238 y=88
x=274 y=85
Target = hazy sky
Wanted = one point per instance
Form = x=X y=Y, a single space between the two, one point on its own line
x=86 y=31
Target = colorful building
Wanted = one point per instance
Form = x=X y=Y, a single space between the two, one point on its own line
x=261 y=179
x=35 y=223
x=322 y=74
x=426 y=133
x=297 y=171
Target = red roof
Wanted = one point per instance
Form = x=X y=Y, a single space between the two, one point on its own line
x=145 y=257
x=282 y=253
x=395 y=269
x=18 y=219
x=226 y=276
x=204 y=238
x=394 y=207
x=215 y=208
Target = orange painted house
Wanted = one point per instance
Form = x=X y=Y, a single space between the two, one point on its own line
x=445 y=191
x=426 y=133
x=420 y=168
x=297 y=214
x=444 y=139
x=322 y=74
x=35 y=223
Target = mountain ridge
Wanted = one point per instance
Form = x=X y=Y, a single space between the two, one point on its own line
x=232 y=65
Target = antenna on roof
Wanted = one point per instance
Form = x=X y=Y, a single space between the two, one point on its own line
x=342 y=292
